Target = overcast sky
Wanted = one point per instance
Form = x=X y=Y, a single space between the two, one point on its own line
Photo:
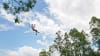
x=49 y=16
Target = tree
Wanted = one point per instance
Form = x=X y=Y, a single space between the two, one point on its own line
x=57 y=41
x=58 y=45
x=15 y=7
x=74 y=43
x=95 y=32
x=80 y=44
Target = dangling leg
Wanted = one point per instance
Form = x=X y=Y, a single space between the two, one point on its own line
x=36 y=33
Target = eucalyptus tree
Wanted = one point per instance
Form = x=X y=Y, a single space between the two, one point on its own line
x=74 y=43
x=80 y=44
x=58 y=42
x=58 y=45
x=67 y=46
x=95 y=32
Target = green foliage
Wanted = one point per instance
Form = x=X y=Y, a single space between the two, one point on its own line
x=43 y=53
x=17 y=6
x=95 y=32
x=73 y=44
x=5 y=6
x=17 y=20
x=74 y=32
x=94 y=19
